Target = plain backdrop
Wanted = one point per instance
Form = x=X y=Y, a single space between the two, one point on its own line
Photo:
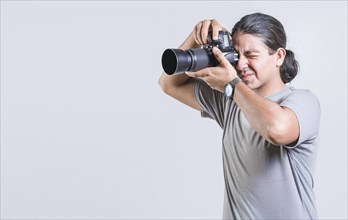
x=87 y=133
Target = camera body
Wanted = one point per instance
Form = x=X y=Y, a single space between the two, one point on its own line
x=177 y=61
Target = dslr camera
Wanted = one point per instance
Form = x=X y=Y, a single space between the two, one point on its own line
x=177 y=61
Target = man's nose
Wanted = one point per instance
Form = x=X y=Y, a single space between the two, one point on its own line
x=242 y=63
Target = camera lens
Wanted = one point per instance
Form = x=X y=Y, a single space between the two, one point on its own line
x=176 y=61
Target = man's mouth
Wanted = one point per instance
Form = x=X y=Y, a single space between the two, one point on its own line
x=246 y=76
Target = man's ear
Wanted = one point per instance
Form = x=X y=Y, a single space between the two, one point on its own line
x=280 y=56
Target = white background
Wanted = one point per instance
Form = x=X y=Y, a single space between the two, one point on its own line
x=87 y=133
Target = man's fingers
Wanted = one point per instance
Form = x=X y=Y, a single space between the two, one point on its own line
x=193 y=74
x=216 y=27
x=205 y=30
x=197 y=74
x=197 y=34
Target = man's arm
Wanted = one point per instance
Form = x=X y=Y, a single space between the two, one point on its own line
x=278 y=125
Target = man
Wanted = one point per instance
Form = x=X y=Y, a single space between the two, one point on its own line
x=270 y=129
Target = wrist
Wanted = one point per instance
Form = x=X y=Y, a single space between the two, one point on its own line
x=234 y=81
x=189 y=43
x=230 y=87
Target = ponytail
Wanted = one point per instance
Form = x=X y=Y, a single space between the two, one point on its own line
x=289 y=68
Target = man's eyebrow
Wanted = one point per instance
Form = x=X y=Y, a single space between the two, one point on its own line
x=248 y=52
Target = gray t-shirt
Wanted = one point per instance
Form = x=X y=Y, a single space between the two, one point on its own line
x=264 y=181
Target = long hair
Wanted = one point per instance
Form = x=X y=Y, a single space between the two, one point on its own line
x=272 y=32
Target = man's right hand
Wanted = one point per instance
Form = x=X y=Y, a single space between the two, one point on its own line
x=199 y=34
x=203 y=28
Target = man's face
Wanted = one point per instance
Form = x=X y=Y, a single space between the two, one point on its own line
x=256 y=67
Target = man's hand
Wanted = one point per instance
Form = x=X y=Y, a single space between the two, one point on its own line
x=217 y=77
x=203 y=28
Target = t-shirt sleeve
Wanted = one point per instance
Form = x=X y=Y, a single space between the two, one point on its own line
x=307 y=109
x=211 y=101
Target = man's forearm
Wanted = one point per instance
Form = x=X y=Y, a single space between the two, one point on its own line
x=274 y=123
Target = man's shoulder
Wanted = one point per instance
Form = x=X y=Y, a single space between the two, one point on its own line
x=301 y=99
x=301 y=93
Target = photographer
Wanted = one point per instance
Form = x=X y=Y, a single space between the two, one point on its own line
x=270 y=129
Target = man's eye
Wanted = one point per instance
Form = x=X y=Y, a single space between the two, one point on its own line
x=252 y=56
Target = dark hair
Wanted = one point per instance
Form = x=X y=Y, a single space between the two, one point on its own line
x=272 y=32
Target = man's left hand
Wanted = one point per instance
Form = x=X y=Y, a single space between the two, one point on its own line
x=217 y=77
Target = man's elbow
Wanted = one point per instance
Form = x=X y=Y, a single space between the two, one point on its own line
x=164 y=86
x=279 y=134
